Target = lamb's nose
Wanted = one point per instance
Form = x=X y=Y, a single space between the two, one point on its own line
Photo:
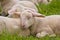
x=23 y=26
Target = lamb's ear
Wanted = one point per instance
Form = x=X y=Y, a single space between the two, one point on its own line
x=38 y=15
x=12 y=11
x=17 y=13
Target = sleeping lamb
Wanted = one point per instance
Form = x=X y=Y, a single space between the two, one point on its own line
x=46 y=26
x=27 y=18
x=41 y=26
x=12 y=26
x=8 y=4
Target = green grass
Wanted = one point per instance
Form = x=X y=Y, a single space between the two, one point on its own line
x=15 y=37
x=51 y=9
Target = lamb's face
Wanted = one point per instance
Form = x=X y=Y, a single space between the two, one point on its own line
x=28 y=18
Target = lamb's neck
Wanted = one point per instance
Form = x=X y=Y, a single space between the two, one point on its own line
x=16 y=20
x=38 y=22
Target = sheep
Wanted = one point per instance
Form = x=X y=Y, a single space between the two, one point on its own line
x=12 y=26
x=18 y=8
x=27 y=18
x=43 y=27
x=39 y=1
x=46 y=26
x=15 y=14
x=21 y=6
x=8 y=4
x=39 y=25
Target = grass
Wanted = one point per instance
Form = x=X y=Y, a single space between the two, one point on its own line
x=15 y=37
x=51 y=9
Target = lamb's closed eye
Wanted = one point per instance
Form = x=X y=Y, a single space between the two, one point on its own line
x=28 y=17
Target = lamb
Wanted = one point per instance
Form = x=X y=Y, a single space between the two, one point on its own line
x=27 y=18
x=15 y=14
x=8 y=4
x=12 y=26
x=39 y=1
x=46 y=26
x=41 y=26
x=21 y=6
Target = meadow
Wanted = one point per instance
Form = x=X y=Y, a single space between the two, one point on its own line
x=51 y=9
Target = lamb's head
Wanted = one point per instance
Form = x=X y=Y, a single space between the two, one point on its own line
x=27 y=18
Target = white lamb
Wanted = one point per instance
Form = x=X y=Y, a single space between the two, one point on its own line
x=28 y=18
x=39 y=1
x=50 y=25
x=8 y=4
x=41 y=26
x=20 y=7
x=12 y=26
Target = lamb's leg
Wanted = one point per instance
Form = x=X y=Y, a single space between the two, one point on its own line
x=52 y=35
x=42 y=34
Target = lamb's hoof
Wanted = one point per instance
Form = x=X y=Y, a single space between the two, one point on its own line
x=38 y=35
x=42 y=34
